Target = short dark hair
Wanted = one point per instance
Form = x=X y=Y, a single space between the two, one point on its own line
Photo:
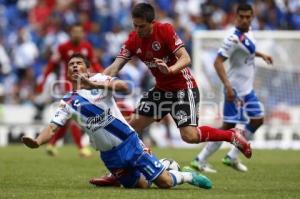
x=244 y=7
x=79 y=55
x=143 y=11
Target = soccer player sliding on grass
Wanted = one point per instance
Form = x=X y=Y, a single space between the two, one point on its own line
x=122 y=152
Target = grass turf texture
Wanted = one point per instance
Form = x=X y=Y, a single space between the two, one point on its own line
x=26 y=173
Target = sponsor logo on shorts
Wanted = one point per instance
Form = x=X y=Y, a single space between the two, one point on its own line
x=181 y=116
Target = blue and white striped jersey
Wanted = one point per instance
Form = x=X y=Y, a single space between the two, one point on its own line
x=240 y=48
x=96 y=111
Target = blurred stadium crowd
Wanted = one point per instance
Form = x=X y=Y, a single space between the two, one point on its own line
x=31 y=30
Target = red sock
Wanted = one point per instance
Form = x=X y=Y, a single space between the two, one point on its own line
x=207 y=133
x=58 y=135
x=76 y=133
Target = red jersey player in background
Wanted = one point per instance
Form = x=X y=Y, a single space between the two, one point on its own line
x=76 y=44
x=175 y=92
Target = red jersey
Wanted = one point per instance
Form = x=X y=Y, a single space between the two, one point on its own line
x=162 y=44
x=64 y=53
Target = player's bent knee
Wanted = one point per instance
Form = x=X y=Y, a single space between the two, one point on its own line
x=260 y=122
x=164 y=181
x=187 y=138
x=189 y=135
x=256 y=123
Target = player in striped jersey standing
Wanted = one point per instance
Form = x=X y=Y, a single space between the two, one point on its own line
x=241 y=105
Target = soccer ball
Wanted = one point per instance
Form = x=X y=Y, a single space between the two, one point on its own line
x=170 y=164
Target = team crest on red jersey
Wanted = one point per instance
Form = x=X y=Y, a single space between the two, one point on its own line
x=156 y=46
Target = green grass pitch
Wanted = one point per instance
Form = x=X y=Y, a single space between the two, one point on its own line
x=26 y=173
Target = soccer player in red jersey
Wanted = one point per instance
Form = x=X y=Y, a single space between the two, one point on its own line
x=76 y=44
x=175 y=92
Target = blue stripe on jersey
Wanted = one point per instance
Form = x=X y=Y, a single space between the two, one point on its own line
x=84 y=107
x=245 y=41
x=121 y=129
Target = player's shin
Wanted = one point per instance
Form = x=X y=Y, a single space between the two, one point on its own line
x=176 y=178
x=208 y=150
x=207 y=133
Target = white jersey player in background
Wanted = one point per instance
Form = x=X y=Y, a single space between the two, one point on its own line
x=120 y=148
x=241 y=104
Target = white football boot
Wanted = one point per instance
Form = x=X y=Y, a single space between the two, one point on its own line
x=202 y=167
x=235 y=164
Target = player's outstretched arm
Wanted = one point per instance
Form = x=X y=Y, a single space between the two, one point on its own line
x=268 y=59
x=113 y=69
x=43 y=137
x=113 y=85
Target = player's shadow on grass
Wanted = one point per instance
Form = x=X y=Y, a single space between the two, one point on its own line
x=153 y=188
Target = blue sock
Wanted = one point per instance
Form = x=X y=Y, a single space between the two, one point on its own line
x=173 y=179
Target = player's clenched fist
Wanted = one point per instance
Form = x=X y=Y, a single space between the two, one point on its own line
x=162 y=66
